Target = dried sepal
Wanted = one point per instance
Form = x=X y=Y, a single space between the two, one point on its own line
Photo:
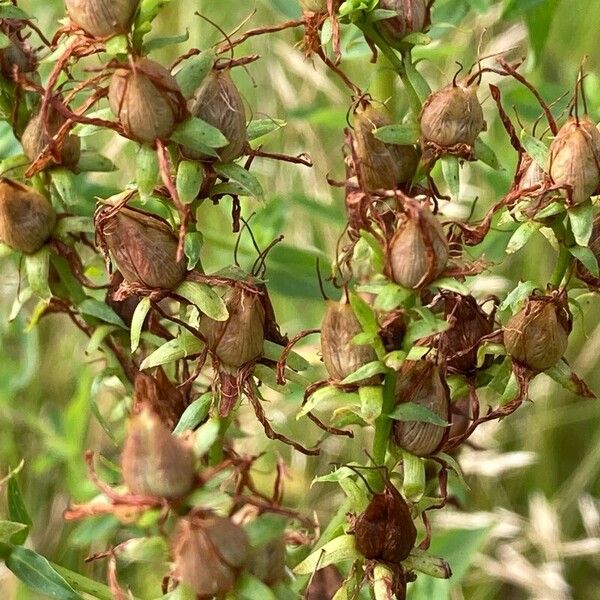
x=538 y=335
x=102 y=18
x=422 y=382
x=26 y=217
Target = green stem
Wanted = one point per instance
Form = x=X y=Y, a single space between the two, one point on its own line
x=562 y=266
x=383 y=428
x=84 y=584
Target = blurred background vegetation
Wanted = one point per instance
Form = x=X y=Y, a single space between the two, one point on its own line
x=530 y=528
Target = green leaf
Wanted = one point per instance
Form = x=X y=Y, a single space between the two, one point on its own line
x=93 y=162
x=184 y=345
x=194 y=414
x=419 y=83
x=205 y=436
x=421 y=561
x=409 y=411
x=146 y=170
x=522 y=291
x=581 y=218
x=193 y=243
x=538 y=19
x=522 y=235
x=8 y=529
x=196 y=134
x=148 y=11
x=249 y=587
x=566 y=377
x=451 y=172
x=37 y=267
x=336 y=551
x=587 y=257
x=261 y=127
x=137 y=322
x=413 y=484
x=100 y=310
x=248 y=182
x=365 y=372
x=38 y=575
x=205 y=298
x=536 y=149
x=164 y=42
x=364 y=313
x=402 y=134
x=9 y=11
x=391 y=297
x=116 y=45
x=193 y=72
x=449 y=283
x=486 y=155
x=63 y=181
x=190 y=176
x=371 y=402
x=17 y=511
x=417 y=38
x=273 y=352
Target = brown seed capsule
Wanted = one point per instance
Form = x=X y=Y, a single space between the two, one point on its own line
x=421 y=382
x=315 y=6
x=538 y=335
x=574 y=159
x=324 y=584
x=340 y=355
x=155 y=462
x=18 y=56
x=209 y=552
x=102 y=18
x=239 y=339
x=143 y=246
x=268 y=562
x=147 y=100
x=452 y=116
x=26 y=217
x=594 y=246
x=385 y=531
x=381 y=166
x=392 y=329
x=413 y=16
x=35 y=139
x=418 y=251
x=218 y=102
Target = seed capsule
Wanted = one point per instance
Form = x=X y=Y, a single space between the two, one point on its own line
x=538 y=335
x=17 y=56
x=418 y=251
x=452 y=116
x=26 y=217
x=268 y=562
x=156 y=463
x=315 y=6
x=421 y=382
x=209 y=551
x=239 y=339
x=594 y=246
x=142 y=245
x=381 y=166
x=102 y=18
x=574 y=160
x=147 y=101
x=413 y=16
x=340 y=355
x=219 y=103
x=324 y=584
x=392 y=329
x=385 y=531
x=35 y=139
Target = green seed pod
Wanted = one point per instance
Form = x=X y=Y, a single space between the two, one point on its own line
x=382 y=166
x=239 y=339
x=451 y=116
x=538 y=335
x=574 y=159
x=418 y=251
x=209 y=552
x=143 y=246
x=26 y=217
x=413 y=16
x=155 y=462
x=421 y=382
x=340 y=355
x=102 y=18
x=35 y=139
x=218 y=102
x=147 y=101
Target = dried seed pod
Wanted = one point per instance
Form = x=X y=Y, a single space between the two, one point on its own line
x=381 y=166
x=392 y=329
x=239 y=339
x=421 y=382
x=102 y=18
x=538 y=335
x=324 y=584
x=26 y=217
x=452 y=116
x=418 y=251
x=209 y=552
x=574 y=159
x=142 y=245
x=413 y=16
x=218 y=102
x=268 y=562
x=155 y=462
x=385 y=531
x=340 y=355
x=35 y=139
x=146 y=99
x=594 y=246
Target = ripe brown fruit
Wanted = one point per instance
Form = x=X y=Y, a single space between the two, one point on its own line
x=102 y=18
x=413 y=16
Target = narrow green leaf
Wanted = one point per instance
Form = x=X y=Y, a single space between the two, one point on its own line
x=486 y=155
x=249 y=587
x=184 y=345
x=137 y=322
x=206 y=436
x=241 y=176
x=522 y=235
x=94 y=162
x=190 y=176
x=193 y=72
x=365 y=372
x=193 y=243
x=37 y=267
x=17 y=511
x=581 y=219
x=100 y=310
x=273 y=352
x=433 y=566
x=8 y=529
x=522 y=291
x=205 y=298
x=451 y=172
x=63 y=181
x=402 y=134
x=409 y=411
x=261 y=127
x=164 y=42
x=194 y=414
x=536 y=149
x=413 y=484
x=146 y=170
x=336 y=551
x=196 y=134
x=371 y=402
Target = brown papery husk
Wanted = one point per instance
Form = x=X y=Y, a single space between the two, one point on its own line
x=574 y=159
x=35 y=139
x=102 y=18
x=422 y=382
x=218 y=102
x=418 y=251
x=209 y=553
x=155 y=462
x=240 y=339
x=143 y=246
x=392 y=329
x=146 y=99
x=538 y=335
x=382 y=166
x=26 y=217
x=385 y=530
x=413 y=16
x=452 y=115
x=594 y=246
x=340 y=355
